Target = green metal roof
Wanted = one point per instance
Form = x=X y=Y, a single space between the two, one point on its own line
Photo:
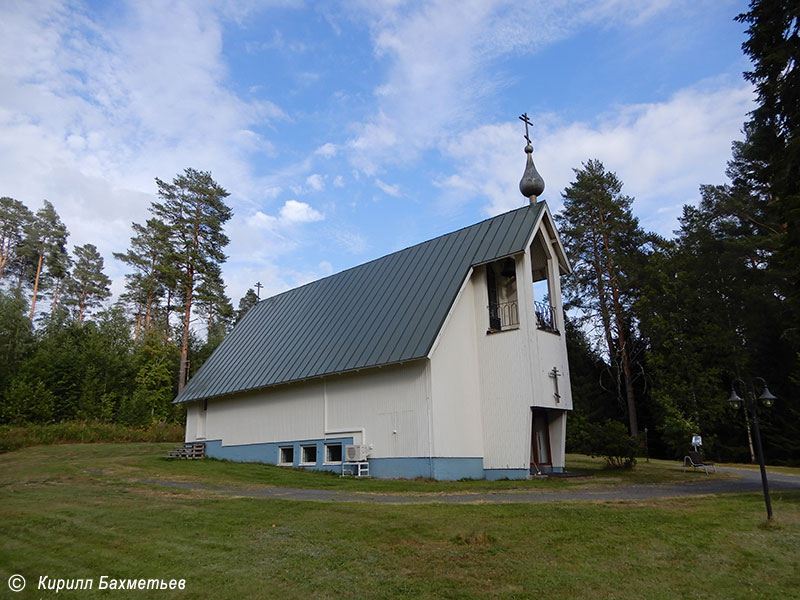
x=386 y=311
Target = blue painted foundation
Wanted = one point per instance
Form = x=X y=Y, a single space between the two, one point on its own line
x=448 y=469
x=495 y=474
x=270 y=452
x=441 y=468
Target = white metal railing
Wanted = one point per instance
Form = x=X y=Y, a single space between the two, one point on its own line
x=545 y=316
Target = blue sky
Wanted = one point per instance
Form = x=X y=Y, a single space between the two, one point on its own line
x=346 y=131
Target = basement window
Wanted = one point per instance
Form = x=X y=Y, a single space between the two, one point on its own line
x=333 y=453
x=308 y=455
x=286 y=455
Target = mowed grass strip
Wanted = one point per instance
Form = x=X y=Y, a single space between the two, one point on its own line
x=61 y=517
x=132 y=462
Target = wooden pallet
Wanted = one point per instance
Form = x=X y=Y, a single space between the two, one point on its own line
x=190 y=450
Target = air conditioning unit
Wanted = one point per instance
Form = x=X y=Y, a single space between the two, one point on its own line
x=355 y=453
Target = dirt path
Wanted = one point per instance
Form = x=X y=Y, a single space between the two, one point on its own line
x=748 y=481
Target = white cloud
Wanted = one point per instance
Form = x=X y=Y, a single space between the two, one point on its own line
x=260 y=242
x=389 y=190
x=291 y=213
x=316 y=182
x=326 y=267
x=307 y=78
x=440 y=54
x=275 y=277
x=92 y=110
x=299 y=212
x=349 y=241
x=661 y=151
x=327 y=150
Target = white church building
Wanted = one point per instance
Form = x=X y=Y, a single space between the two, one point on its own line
x=446 y=360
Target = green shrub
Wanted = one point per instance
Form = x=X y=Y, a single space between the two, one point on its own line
x=676 y=430
x=27 y=401
x=611 y=441
x=70 y=432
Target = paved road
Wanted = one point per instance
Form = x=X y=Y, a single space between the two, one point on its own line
x=747 y=481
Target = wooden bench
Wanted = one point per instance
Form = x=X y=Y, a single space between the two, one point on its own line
x=696 y=461
x=190 y=450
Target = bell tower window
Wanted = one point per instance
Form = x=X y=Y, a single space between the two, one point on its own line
x=501 y=283
x=542 y=273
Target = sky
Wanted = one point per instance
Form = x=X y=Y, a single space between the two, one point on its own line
x=345 y=131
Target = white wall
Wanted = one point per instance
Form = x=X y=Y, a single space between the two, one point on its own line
x=455 y=383
x=390 y=403
x=504 y=368
x=558 y=437
x=380 y=401
x=286 y=413
x=192 y=414
x=548 y=349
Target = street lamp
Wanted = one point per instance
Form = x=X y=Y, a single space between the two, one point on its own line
x=751 y=403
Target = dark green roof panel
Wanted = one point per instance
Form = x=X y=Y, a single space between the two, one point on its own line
x=385 y=311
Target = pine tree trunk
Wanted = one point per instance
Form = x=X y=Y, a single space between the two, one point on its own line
x=148 y=313
x=625 y=359
x=138 y=324
x=185 y=342
x=82 y=307
x=5 y=254
x=621 y=337
x=749 y=435
x=55 y=299
x=190 y=279
x=36 y=285
x=167 y=332
x=605 y=314
x=633 y=419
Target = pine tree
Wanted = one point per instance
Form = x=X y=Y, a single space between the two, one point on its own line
x=246 y=302
x=193 y=209
x=16 y=337
x=151 y=400
x=58 y=275
x=14 y=219
x=149 y=254
x=768 y=161
x=89 y=286
x=606 y=247
x=214 y=304
x=44 y=246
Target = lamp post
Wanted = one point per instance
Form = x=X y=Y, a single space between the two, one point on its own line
x=751 y=402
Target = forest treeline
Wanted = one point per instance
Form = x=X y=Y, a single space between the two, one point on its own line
x=663 y=328
x=68 y=357
x=658 y=329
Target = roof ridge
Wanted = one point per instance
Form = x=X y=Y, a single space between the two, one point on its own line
x=360 y=265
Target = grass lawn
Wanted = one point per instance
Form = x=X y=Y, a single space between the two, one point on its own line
x=78 y=511
x=132 y=465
